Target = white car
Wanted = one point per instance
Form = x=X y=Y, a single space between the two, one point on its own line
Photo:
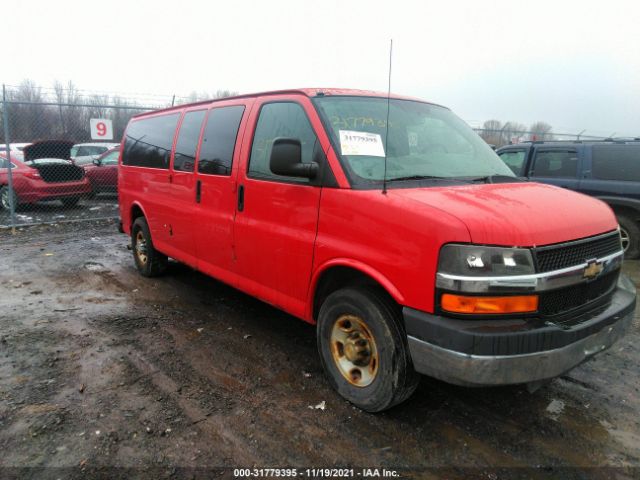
x=16 y=149
x=86 y=153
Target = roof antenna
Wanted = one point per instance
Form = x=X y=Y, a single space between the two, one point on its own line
x=386 y=133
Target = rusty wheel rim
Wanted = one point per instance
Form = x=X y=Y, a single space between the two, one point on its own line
x=354 y=351
x=141 y=248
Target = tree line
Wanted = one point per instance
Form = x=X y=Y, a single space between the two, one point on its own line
x=63 y=111
x=497 y=133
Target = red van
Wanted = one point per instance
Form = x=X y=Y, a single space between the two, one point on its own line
x=389 y=224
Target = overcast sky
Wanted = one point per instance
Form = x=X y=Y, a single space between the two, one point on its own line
x=573 y=64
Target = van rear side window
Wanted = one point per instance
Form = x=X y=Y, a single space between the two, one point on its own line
x=185 y=156
x=148 y=141
x=219 y=140
x=616 y=162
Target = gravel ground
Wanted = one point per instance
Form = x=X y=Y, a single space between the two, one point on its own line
x=106 y=373
x=105 y=205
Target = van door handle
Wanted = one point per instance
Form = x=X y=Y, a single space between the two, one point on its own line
x=241 y=198
x=198 y=190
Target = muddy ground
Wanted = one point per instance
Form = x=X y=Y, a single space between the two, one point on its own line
x=103 y=372
x=104 y=205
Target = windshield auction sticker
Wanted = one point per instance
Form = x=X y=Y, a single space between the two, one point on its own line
x=361 y=143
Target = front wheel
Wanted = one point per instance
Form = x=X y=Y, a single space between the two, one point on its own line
x=5 y=198
x=149 y=262
x=364 y=349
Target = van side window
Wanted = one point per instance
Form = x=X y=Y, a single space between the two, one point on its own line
x=219 y=140
x=555 y=164
x=514 y=160
x=148 y=141
x=616 y=162
x=185 y=157
x=283 y=119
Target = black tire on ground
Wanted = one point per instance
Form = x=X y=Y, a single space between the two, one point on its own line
x=70 y=201
x=149 y=262
x=395 y=379
x=631 y=235
x=4 y=198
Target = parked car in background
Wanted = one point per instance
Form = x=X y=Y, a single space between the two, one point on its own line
x=43 y=174
x=86 y=153
x=103 y=172
x=608 y=170
x=16 y=149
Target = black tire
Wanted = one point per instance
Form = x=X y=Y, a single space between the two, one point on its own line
x=4 y=198
x=149 y=262
x=395 y=379
x=631 y=234
x=69 y=201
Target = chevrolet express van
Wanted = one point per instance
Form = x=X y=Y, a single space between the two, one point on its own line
x=386 y=222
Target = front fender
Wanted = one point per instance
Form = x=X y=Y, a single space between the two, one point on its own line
x=356 y=265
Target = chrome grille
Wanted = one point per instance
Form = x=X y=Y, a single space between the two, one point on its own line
x=556 y=257
x=565 y=299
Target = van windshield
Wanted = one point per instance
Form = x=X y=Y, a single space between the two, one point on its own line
x=424 y=141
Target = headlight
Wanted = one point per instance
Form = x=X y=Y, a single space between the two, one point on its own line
x=477 y=269
x=479 y=261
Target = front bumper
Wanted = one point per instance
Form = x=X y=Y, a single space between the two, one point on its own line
x=504 y=352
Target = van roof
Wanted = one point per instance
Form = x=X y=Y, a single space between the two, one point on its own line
x=309 y=92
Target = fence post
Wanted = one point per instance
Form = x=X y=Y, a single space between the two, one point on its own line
x=7 y=141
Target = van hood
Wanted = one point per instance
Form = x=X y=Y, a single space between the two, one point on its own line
x=517 y=214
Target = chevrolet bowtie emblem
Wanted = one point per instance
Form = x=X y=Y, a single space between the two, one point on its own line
x=593 y=269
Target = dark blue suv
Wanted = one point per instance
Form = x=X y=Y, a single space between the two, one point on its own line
x=608 y=170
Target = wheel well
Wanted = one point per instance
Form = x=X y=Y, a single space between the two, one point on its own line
x=632 y=213
x=338 y=277
x=136 y=212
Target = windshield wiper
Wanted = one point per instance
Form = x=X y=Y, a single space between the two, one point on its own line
x=419 y=177
x=493 y=178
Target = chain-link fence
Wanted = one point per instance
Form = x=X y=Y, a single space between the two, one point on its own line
x=64 y=143
x=503 y=136
x=62 y=161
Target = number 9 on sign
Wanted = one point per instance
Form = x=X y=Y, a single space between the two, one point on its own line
x=101 y=129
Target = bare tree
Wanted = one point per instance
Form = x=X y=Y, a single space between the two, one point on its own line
x=541 y=131
x=511 y=131
x=491 y=131
x=30 y=120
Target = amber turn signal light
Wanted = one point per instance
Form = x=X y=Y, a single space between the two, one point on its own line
x=495 y=305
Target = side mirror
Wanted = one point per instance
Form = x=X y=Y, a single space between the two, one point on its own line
x=286 y=159
x=96 y=162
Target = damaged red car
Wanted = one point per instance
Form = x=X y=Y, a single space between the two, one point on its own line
x=45 y=173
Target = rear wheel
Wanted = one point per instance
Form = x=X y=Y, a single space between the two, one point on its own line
x=70 y=201
x=148 y=260
x=5 y=197
x=630 y=233
x=364 y=349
